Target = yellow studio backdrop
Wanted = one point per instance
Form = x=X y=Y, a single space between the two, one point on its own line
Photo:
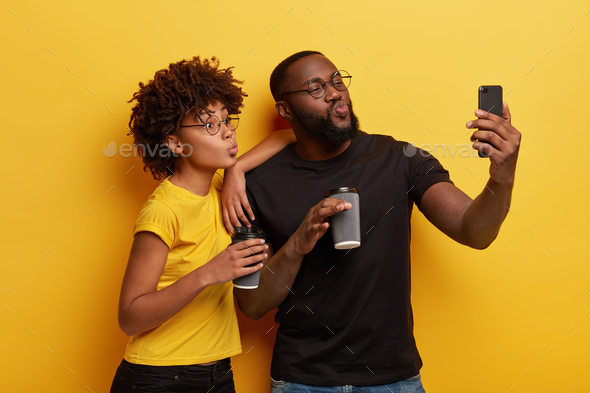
x=513 y=318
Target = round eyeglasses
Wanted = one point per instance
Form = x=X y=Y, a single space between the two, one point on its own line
x=213 y=124
x=317 y=87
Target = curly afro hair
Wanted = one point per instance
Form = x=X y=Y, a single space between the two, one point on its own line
x=184 y=87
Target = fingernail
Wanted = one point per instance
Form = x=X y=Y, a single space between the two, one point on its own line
x=262 y=241
x=469 y=124
x=479 y=112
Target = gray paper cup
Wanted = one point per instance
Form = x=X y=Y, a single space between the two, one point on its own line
x=346 y=228
x=249 y=281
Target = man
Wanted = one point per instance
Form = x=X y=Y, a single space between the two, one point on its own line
x=345 y=315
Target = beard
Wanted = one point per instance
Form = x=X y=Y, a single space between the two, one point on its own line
x=326 y=129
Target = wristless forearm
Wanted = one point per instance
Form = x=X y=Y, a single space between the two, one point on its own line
x=276 y=282
x=484 y=217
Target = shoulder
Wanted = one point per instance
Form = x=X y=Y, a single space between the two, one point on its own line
x=158 y=216
x=405 y=151
x=284 y=156
x=156 y=210
x=378 y=142
x=373 y=146
x=160 y=202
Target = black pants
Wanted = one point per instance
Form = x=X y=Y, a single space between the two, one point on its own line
x=139 y=378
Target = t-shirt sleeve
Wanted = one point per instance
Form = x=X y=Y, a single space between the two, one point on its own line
x=158 y=218
x=424 y=172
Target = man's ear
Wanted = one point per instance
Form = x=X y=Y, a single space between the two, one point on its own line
x=174 y=144
x=283 y=110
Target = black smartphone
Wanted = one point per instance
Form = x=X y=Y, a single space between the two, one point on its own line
x=489 y=99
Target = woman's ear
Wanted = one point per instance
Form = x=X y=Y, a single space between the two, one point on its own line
x=283 y=110
x=174 y=144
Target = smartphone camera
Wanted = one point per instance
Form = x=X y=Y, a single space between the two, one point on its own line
x=484 y=89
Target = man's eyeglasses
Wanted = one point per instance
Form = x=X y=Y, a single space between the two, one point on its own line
x=213 y=124
x=317 y=87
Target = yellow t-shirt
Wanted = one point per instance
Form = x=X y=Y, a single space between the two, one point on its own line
x=206 y=329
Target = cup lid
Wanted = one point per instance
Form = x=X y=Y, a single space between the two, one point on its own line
x=248 y=233
x=341 y=190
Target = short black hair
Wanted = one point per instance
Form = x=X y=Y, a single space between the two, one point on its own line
x=184 y=87
x=278 y=78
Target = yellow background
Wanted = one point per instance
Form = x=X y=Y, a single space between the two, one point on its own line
x=514 y=318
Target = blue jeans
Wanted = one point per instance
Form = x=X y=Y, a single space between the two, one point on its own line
x=138 y=378
x=411 y=385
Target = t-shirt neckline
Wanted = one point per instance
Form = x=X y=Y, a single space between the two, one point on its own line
x=318 y=163
x=185 y=193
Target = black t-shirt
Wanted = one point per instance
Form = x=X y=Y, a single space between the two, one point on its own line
x=348 y=318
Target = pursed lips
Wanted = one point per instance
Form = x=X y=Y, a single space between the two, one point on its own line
x=340 y=108
x=233 y=149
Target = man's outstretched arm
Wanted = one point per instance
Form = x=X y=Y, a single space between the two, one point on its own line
x=476 y=223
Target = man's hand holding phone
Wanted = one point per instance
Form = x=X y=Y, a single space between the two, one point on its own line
x=489 y=99
x=504 y=139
